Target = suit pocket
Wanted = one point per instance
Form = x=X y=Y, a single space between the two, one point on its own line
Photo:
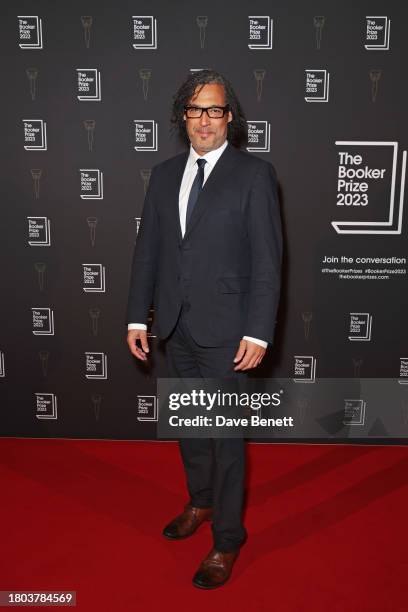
x=233 y=284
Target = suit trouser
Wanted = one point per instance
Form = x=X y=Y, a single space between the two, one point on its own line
x=214 y=467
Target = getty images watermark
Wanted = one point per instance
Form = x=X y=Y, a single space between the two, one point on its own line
x=282 y=408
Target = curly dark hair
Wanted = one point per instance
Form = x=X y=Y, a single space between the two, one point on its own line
x=236 y=129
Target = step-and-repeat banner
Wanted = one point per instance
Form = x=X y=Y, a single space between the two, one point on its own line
x=86 y=114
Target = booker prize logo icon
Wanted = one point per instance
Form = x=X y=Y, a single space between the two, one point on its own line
x=30 y=33
x=35 y=134
x=36 y=175
x=147 y=409
x=305 y=369
x=259 y=136
x=92 y=223
x=375 y=75
x=40 y=267
x=96 y=399
x=357 y=363
x=317 y=85
x=360 y=326
x=46 y=406
x=307 y=317
x=91 y=184
x=39 y=231
x=259 y=74
x=318 y=24
x=86 y=21
x=44 y=357
x=43 y=321
x=89 y=125
x=32 y=74
x=145 y=134
x=145 y=174
x=260 y=35
x=88 y=84
x=403 y=373
x=96 y=365
x=94 y=278
x=145 y=75
x=369 y=177
x=354 y=412
x=144 y=32
x=377 y=33
x=202 y=21
x=94 y=314
x=303 y=409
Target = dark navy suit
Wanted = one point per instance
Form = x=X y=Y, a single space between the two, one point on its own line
x=219 y=282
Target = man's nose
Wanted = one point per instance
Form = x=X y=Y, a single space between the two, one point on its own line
x=204 y=119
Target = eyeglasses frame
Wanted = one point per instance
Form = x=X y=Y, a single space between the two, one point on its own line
x=225 y=109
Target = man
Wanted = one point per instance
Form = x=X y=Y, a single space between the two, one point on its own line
x=208 y=256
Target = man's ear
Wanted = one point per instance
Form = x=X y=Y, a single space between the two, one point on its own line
x=184 y=116
x=230 y=117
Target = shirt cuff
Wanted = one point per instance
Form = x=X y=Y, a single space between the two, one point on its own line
x=137 y=326
x=256 y=341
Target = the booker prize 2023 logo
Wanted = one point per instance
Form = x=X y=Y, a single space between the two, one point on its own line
x=370 y=187
x=317 y=85
x=39 y=231
x=46 y=406
x=35 y=135
x=94 y=278
x=304 y=368
x=145 y=134
x=403 y=372
x=144 y=32
x=147 y=408
x=377 y=33
x=360 y=325
x=354 y=412
x=88 y=85
x=43 y=321
x=260 y=32
x=30 y=33
x=91 y=184
x=259 y=136
x=96 y=365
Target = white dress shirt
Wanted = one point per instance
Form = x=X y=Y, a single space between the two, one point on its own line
x=189 y=175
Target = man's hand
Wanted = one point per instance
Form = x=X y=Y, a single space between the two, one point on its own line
x=132 y=337
x=250 y=353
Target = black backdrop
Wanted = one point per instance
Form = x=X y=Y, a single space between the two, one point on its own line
x=46 y=383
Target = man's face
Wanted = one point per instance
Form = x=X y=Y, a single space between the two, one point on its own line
x=205 y=133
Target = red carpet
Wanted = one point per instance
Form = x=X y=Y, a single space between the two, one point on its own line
x=327 y=527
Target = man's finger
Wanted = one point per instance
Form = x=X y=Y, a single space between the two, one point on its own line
x=133 y=337
x=246 y=364
x=241 y=351
x=252 y=355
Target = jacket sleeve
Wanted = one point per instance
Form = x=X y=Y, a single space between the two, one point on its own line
x=265 y=238
x=144 y=263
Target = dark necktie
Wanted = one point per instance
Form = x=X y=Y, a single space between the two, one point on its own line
x=196 y=188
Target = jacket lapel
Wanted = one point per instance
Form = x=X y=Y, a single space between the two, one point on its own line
x=174 y=190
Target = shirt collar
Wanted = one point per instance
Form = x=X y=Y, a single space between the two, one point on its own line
x=211 y=157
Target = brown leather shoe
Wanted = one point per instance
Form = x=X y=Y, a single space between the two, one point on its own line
x=215 y=570
x=186 y=523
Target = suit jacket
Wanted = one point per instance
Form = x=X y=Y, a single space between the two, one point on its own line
x=230 y=255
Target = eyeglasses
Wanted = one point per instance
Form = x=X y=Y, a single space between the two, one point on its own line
x=214 y=112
